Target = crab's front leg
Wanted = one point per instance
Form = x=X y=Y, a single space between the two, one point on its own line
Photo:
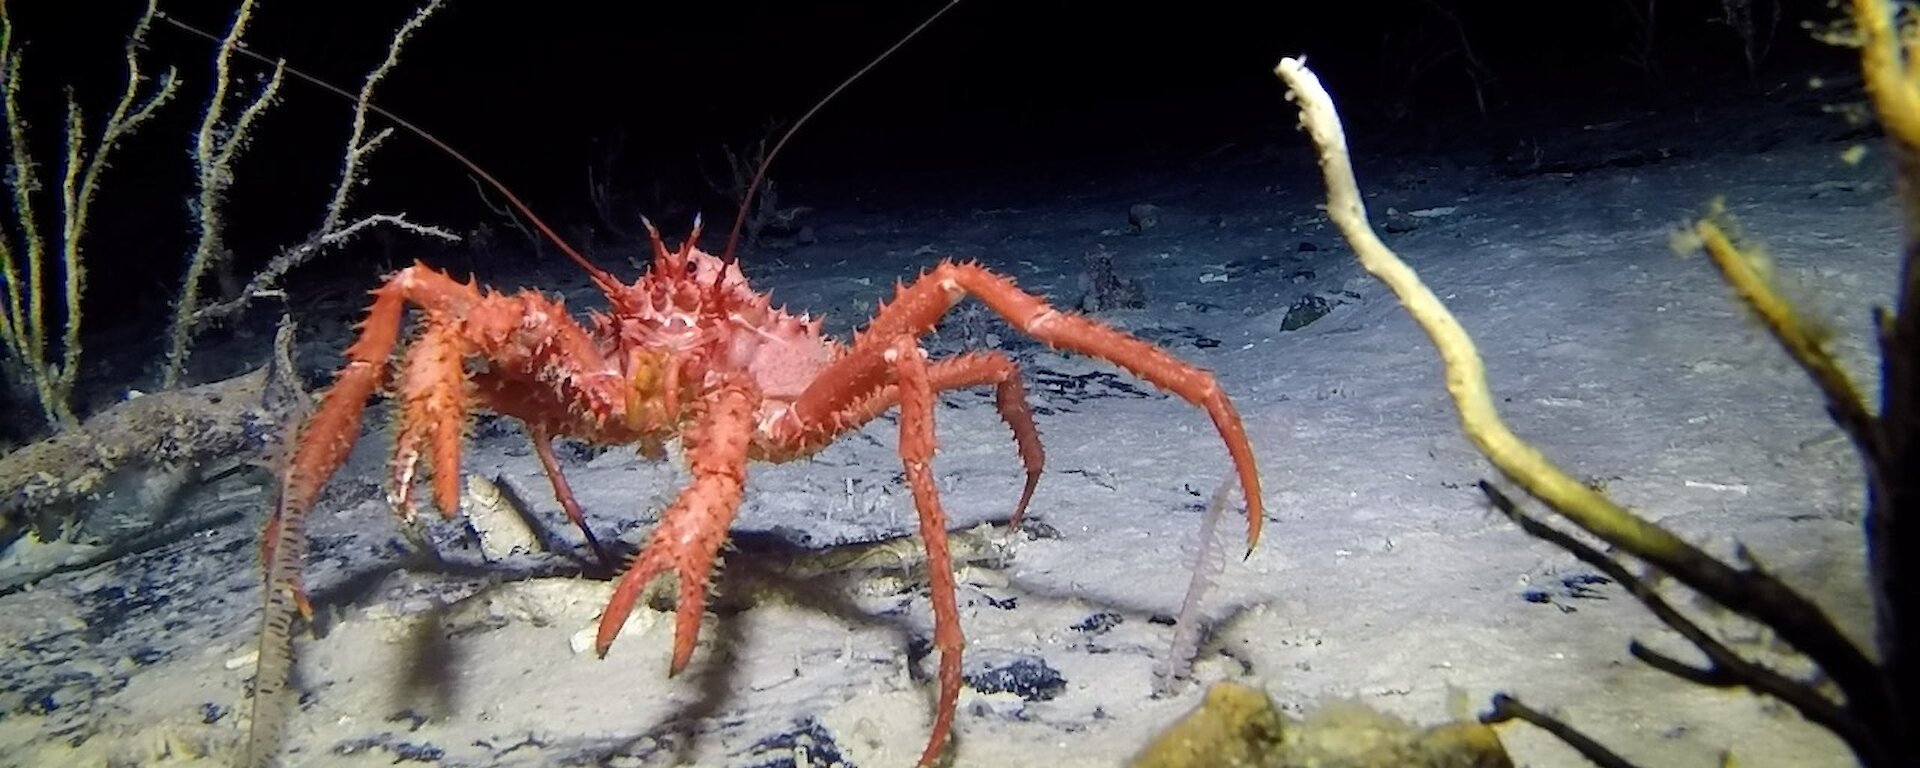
x=328 y=435
x=690 y=532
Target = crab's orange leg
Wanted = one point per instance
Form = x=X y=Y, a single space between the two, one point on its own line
x=910 y=381
x=329 y=433
x=563 y=492
x=856 y=408
x=461 y=322
x=692 y=529
x=433 y=417
x=916 y=307
x=915 y=387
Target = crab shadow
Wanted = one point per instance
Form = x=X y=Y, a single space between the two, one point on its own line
x=763 y=567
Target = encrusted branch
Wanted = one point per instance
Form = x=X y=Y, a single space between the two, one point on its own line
x=266 y=282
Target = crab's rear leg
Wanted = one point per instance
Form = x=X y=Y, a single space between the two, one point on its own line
x=432 y=394
x=916 y=307
x=905 y=378
x=562 y=491
x=863 y=401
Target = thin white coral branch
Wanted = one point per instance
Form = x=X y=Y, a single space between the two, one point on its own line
x=334 y=228
x=266 y=281
x=359 y=145
x=1209 y=562
x=216 y=145
x=26 y=324
x=84 y=172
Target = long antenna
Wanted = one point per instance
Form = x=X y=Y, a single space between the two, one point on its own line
x=601 y=277
x=760 y=173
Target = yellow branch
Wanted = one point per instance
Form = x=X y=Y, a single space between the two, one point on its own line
x=1465 y=375
x=1885 y=63
x=1742 y=271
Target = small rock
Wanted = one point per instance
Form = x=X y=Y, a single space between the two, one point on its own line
x=1099 y=623
x=1398 y=222
x=1304 y=312
x=1103 y=288
x=1028 y=677
x=1143 y=216
x=496 y=514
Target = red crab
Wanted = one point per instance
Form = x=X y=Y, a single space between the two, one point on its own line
x=691 y=351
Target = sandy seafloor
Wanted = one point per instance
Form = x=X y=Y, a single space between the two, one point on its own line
x=1382 y=578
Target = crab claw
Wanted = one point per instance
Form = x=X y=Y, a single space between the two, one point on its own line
x=433 y=397
x=690 y=532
